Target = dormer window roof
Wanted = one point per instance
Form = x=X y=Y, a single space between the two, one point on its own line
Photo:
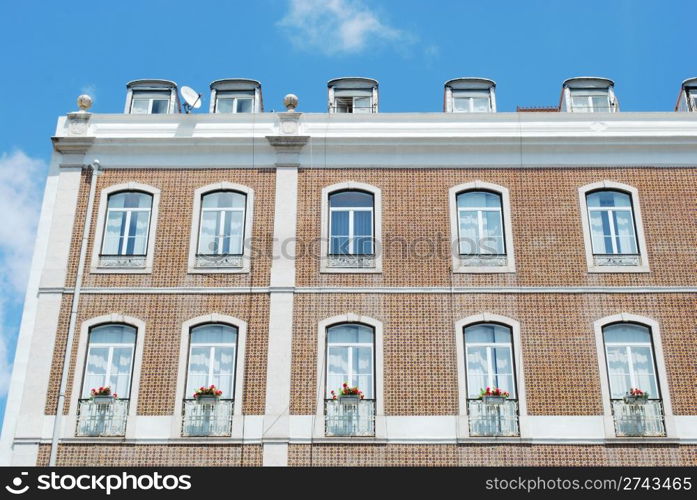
x=587 y=94
x=151 y=97
x=353 y=95
x=687 y=100
x=236 y=95
x=469 y=95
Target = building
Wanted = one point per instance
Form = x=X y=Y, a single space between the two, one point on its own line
x=421 y=257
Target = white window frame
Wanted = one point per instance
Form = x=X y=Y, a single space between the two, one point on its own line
x=611 y=221
x=182 y=373
x=589 y=94
x=95 y=266
x=81 y=365
x=378 y=371
x=129 y=212
x=351 y=223
x=350 y=357
x=471 y=95
x=661 y=372
x=519 y=373
x=195 y=228
x=459 y=261
x=236 y=98
x=583 y=191
x=111 y=346
x=151 y=96
x=377 y=227
x=212 y=346
x=489 y=346
x=630 y=360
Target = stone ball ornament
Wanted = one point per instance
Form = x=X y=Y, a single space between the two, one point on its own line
x=84 y=102
x=290 y=101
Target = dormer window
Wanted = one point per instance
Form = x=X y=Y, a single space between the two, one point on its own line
x=469 y=95
x=588 y=95
x=353 y=95
x=236 y=95
x=151 y=97
x=687 y=100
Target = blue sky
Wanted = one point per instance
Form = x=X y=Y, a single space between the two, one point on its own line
x=54 y=51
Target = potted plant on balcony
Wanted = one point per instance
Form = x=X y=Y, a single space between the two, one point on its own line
x=495 y=396
x=348 y=395
x=636 y=396
x=208 y=395
x=103 y=396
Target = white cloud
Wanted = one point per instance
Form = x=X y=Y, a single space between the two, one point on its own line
x=337 y=26
x=21 y=181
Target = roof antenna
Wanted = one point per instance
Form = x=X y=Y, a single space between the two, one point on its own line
x=192 y=99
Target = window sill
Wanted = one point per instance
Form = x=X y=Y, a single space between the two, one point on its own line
x=483 y=265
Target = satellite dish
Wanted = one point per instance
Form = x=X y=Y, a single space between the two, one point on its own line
x=192 y=99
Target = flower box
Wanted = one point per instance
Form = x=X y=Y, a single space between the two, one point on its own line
x=103 y=399
x=207 y=399
x=207 y=395
x=636 y=396
x=493 y=400
x=349 y=399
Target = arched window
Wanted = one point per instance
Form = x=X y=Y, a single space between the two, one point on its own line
x=351 y=358
x=222 y=223
x=489 y=359
x=480 y=223
x=127 y=224
x=109 y=360
x=630 y=360
x=212 y=359
x=351 y=223
x=612 y=223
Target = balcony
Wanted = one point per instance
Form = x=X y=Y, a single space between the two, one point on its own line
x=202 y=419
x=493 y=419
x=638 y=419
x=343 y=419
x=102 y=419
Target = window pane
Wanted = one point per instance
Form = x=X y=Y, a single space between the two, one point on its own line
x=363 y=370
x=235 y=231
x=339 y=245
x=644 y=372
x=350 y=334
x=627 y=333
x=600 y=232
x=608 y=199
x=600 y=103
x=469 y=232
x=337 y=368
x=487 y=334
x=138 y=233
x=477 y=371
x=351 y=199
x=480 y=104
x=224 y=105
x=244 y=105
x=580 y=103
x=461 y=104
x=160 y=106
x=478 y=199
x=493 y=233
x=113 y=334
x=362 y=105
x=140 y=106
x=121 y=371
x=223 y=370
x=199 y=359
x=618 y=371
x=214 y=334
x=115 y=225
x=624 y=227
x=95 y=371
x=207 y=243
x=503 y=369
x=224 y=199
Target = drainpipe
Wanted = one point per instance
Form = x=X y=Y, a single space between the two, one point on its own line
x=94 y=170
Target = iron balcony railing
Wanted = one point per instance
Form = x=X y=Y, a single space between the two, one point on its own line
x=639 y=418
x=493 y=419
x=102 y=418
x=342 y=419
x=207 y=419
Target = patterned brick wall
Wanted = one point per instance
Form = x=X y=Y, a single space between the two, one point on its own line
x=164 y=315
x=558 y=346
x=490 y=455
x=173 y=227
x=129 y=455
x=547 y=231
